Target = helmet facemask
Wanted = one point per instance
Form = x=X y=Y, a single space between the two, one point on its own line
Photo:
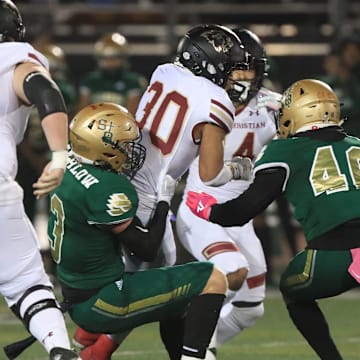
x=133 y=156
x=243 y=92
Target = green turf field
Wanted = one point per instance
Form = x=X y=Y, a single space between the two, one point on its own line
x=272 y=338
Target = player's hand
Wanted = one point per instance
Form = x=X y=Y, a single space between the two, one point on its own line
x=242 y=168
x=167 y=189
x=48 y=181
x=270 y=100
x=200 y=203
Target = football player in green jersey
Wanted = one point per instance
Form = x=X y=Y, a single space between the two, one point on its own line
x=111 y=80
x=316 y=165
x=93 y=215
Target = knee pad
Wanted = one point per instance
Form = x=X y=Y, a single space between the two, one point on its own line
x=34 y=300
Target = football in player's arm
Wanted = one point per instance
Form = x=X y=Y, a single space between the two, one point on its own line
x=313 y=162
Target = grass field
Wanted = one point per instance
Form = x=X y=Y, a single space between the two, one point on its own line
x=272 y=338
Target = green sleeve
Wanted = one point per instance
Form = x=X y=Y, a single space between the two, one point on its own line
x=113 y=202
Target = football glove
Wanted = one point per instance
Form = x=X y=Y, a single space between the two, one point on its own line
x=167 y=189
x=200 y=203
x=241 y=167
x=269 y=100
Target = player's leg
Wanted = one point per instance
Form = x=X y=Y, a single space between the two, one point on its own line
x=238 y=314
x=111 y=342
x=234 y=250
x=210 y=242
x=173 y=291
x=202 y=316
x=24 y=283
x=311 y=275
x=246 y=307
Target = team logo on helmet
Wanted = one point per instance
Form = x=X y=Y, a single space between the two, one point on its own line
x=219 y=41
x=118 y=204
x=287 y=97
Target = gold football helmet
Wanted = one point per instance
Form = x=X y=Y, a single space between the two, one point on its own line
x=106 y=135
x=307 y=104
x=111 y=45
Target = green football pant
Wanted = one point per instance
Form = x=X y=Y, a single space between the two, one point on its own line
x=142 y=297
x=317 y=274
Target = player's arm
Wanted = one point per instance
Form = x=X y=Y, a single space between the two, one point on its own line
x=211 y=154
x=144 y=241
x=212 y=169
x=34 y=86
x=266 y=187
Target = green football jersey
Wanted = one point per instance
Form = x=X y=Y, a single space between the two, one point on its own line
x=87 y=256
x=323 y=179
x=115 y=90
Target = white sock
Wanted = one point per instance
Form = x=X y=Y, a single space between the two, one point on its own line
x=232 y=322
x=47 y=326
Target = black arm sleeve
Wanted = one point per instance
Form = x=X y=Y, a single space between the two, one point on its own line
x=44 y=94
x=266 y=187
x=144 y=242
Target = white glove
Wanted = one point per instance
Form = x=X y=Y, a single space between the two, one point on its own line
x=241 y=167
x=269 y=100
x=167 y=189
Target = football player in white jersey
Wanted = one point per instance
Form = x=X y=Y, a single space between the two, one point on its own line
x=186 y=112
x=24 y=284
x=236 y=250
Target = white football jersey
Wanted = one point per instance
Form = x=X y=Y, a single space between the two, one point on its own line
x=174 y=104
x=253 y=128
x=13 y=114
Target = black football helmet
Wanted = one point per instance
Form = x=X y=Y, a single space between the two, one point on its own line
x=11 y=25
x=211 y=51
x=257 y=61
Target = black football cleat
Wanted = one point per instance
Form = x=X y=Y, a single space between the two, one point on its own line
x=58 y=353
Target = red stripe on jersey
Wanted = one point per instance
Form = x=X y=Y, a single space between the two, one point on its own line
x=220 y=122
x=219 y=104
x=256 y=281
x=218 y=248
x=33 y=56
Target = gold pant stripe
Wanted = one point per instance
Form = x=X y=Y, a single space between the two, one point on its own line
x=305 y=275
x=141 y=304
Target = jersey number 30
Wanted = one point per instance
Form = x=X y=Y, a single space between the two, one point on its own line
x=172 y=99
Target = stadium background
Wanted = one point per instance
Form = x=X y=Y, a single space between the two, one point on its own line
x=297 y=36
